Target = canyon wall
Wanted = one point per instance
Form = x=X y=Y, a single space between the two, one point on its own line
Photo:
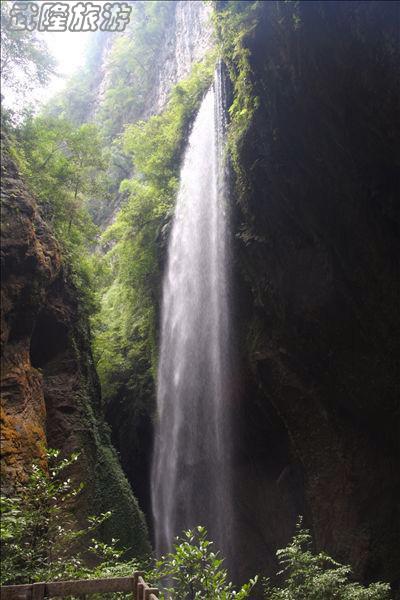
x=186 y=37
x=185 y=43
x=50 y=391
x=317 y=259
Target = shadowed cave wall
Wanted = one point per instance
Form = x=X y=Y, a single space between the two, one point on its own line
x=317 y=287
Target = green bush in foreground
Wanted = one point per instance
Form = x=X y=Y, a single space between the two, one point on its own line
x=40 y=541
x=39 y=537
x=193 y=570
x=309 y=576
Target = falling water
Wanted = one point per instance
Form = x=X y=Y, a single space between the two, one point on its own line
x=191 y=468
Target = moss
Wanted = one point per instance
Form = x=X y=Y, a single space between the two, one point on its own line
x=113 y=493
x=234 y=23
x=107 y=488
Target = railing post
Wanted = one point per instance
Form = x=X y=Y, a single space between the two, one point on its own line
x=38 y=591
x=136 y=576
x=140 y=589
x=150 y=591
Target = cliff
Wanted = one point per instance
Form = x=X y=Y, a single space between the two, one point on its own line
x=317 y=262
x=50 y=391
x=185 y=42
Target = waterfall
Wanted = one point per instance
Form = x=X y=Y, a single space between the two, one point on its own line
x=191 y=476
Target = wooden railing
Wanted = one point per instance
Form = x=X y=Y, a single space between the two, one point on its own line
x=80 y=587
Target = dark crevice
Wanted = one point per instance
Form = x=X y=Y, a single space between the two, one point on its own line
x=49 y=339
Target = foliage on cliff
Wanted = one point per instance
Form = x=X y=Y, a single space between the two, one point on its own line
x=195 y=570
x=234 y=23
x=127 y=62
x=132 y=65
x=40 y=542
x=64 y=166
x=25 y=59
x=310 y=576
x=112 y=91
x=125 y=335
x=39 y=537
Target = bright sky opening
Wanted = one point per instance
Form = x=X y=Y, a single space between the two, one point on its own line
x=69 y=49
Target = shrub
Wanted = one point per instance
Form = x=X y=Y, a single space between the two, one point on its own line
x=193 y=570
x=39 y=537
x=310 y=576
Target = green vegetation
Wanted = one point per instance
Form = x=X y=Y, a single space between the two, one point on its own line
x=25 y=59
x=67 y=160
x=64 y=166
x=40 y=540
x=310 y=576
x=130 y=66
x=194 y=570
x=234 y=22
x=124 y=342
x=74 y=159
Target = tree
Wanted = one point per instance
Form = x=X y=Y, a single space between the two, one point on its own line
x=66 y=168
x=310 y=576
x=196 y=571
x=25 y=59
x=39 y=537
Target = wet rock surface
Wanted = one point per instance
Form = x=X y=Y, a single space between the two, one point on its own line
x=317 y=253
x=30 y=263
x=50 y=391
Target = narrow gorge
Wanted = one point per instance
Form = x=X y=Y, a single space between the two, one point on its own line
x=200 y=297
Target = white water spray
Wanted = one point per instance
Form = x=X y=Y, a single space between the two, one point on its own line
x=191 y=477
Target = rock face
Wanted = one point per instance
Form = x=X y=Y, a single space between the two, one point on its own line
x=186 y=39
x=50 y=391
x=185 y=43
x=317 y=252
x=27 y=248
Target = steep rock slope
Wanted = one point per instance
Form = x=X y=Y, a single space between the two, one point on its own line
x=317 y=227
x=50 y=391
x=185 y=39
x=185 y=42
